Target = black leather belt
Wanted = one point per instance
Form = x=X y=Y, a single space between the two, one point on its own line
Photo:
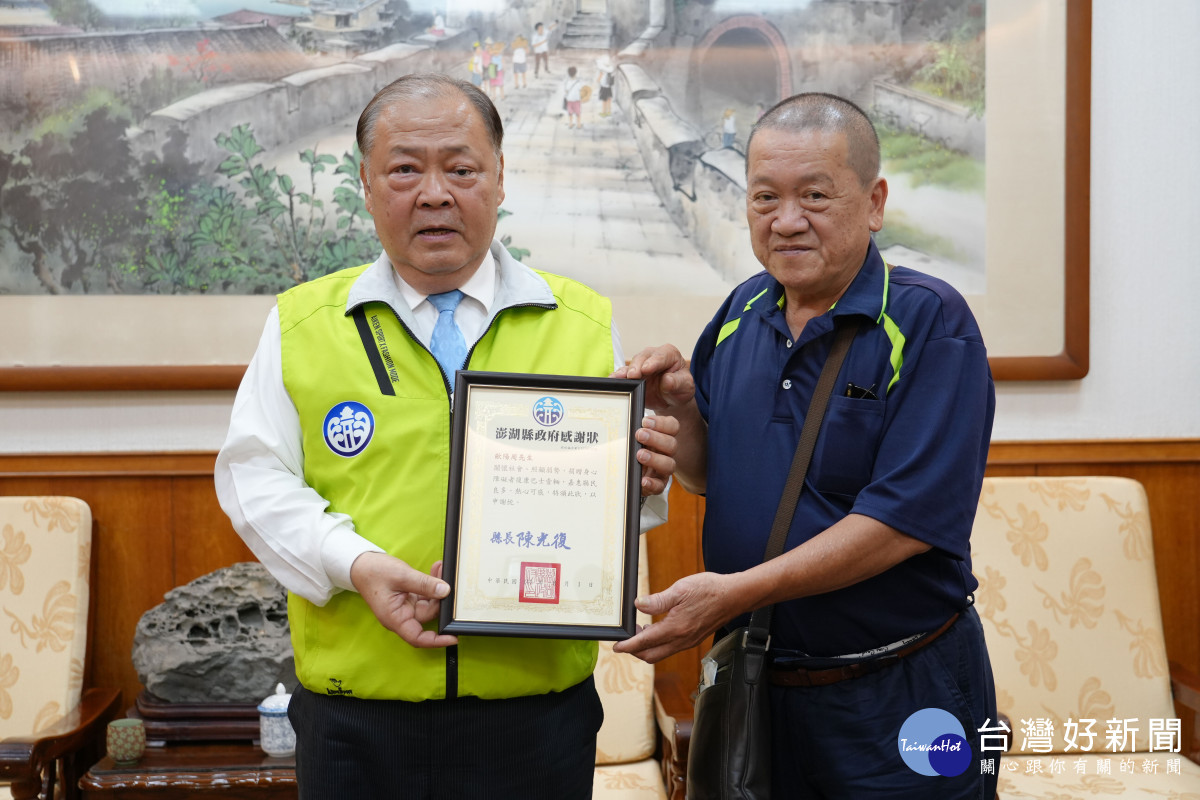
x=800 y=676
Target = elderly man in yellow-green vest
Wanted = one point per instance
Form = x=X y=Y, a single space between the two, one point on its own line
x=388 y=707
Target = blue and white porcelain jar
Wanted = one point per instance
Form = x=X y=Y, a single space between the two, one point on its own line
x=275 y=729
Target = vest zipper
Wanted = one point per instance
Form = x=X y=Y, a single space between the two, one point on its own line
x=495 y=316
x=452 y=651
x=491 y=322
x=411 y=335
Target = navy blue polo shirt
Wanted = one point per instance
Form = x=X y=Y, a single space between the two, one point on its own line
x=910 y=454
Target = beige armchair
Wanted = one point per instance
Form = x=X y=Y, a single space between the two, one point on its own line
x=50 y=730
x=634 y=712
x=1070 y=608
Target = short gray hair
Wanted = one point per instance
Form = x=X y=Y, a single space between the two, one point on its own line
x=420 y=86
x=831 y=114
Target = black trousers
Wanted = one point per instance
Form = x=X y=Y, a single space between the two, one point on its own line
x=542 y=746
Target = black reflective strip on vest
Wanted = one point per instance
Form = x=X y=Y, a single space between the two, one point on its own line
x=368 y=340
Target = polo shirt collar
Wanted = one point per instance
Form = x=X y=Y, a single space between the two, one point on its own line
x=867 y=294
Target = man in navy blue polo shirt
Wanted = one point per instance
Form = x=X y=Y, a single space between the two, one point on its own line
x=873 y=622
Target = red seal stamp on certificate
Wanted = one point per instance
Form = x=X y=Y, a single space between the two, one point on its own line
x=539 y=582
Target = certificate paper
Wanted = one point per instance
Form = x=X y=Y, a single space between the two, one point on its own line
x=542 y=524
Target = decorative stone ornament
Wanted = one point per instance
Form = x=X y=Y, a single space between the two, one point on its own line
x=223 y=638
x=275 y=729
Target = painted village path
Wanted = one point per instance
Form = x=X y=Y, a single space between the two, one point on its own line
x=580 y=201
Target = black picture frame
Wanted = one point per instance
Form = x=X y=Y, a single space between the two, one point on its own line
x=527 y=606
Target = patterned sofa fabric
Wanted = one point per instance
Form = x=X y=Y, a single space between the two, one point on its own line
x=45 y=552
x=625 y=764
x=1069 y=602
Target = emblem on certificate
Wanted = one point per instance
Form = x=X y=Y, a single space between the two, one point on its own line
x=542 y=521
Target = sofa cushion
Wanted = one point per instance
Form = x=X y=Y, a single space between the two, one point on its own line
x=1076 y=777
x=1069 y=602
x=626 y=687
x=639 y=781
x=45 y=551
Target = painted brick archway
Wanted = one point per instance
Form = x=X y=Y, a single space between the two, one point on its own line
x=759 y=25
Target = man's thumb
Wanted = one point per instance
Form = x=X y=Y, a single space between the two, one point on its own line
x=651 y=604
x=427 y=585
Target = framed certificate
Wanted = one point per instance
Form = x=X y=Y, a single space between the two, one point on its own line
x=542 y=522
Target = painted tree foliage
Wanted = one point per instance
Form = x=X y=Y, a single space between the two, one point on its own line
x=81 y=213
x=952 y=64
x=87 y=216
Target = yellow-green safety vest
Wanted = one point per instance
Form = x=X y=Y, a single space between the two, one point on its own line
x=395 y=488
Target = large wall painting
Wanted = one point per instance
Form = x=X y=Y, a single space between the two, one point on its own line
x=163 y=174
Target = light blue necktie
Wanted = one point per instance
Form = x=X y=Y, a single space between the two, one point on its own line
x=447 y=344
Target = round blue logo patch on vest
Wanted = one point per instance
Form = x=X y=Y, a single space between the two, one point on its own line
x=348 y=428
x=547 y=411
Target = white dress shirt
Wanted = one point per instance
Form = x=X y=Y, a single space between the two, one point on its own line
x=259 y=473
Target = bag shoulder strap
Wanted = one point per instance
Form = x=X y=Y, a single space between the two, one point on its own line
x=760 y=620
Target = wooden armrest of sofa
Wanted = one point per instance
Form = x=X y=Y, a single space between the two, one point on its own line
x=23 y=759
x=673 y=708
x=1185 y=687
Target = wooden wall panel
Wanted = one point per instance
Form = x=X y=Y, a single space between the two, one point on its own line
x=674 y=552
x=158 y=525
x=133 y=554
x=204 y=539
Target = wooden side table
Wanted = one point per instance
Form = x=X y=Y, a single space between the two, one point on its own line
x=178 y=771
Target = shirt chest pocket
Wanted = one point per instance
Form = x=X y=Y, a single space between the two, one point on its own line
x=845 y=453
